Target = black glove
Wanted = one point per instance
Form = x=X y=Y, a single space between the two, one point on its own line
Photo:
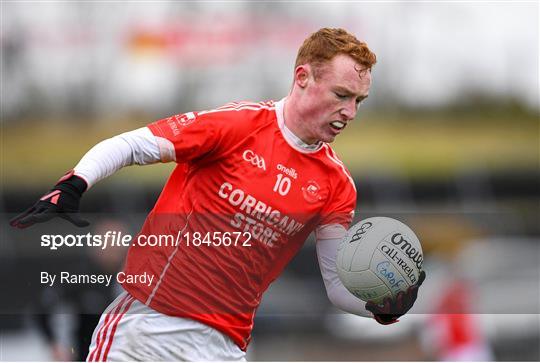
x=62 y=201
x=391 y=310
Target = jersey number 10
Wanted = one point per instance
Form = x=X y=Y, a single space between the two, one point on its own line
x=283 y=184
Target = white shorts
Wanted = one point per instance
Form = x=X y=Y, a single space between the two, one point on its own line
x=131 y=331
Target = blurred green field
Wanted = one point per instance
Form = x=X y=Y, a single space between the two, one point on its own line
x=439 y=147
x=37 y=153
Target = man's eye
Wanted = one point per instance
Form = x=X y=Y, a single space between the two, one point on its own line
x=340 y=96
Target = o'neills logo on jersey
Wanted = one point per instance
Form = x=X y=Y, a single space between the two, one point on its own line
x=311 y=192
x=289 y=171
x=254 y=159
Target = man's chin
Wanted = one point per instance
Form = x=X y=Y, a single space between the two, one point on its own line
x=329 y=138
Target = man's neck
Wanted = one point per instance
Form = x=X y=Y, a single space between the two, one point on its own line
x=289 y=135
x=293 y=120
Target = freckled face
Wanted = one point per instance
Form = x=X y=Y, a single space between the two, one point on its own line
x=331 y=101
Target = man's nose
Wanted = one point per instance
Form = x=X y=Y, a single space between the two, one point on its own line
x=349 y=111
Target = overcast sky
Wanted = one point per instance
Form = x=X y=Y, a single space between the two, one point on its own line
x=429 y=53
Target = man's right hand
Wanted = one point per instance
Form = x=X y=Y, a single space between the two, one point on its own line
x=62 y=201
x=390 y=310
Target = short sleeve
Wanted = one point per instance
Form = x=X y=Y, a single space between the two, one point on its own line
x=341 y=206
x=191 y=135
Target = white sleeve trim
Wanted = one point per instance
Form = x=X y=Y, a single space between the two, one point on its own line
x=337 y=293
x=166 y=149
x=139 y=147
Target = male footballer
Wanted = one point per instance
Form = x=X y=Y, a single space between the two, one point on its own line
x=252 y=181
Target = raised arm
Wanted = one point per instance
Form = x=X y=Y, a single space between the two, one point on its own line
x=138 y=147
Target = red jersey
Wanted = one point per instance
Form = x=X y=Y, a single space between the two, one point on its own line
x=239 y=171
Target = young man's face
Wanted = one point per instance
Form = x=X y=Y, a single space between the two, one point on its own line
x=331 y=101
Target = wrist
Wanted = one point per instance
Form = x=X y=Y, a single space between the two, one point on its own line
x=72 y=183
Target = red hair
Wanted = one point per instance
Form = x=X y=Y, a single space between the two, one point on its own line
x=322 y=46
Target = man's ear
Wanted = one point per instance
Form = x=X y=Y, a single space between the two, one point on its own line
x=302 y=74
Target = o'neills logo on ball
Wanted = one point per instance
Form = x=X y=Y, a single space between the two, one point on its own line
x=415 y=255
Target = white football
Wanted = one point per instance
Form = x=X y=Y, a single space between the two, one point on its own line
x=378 y=258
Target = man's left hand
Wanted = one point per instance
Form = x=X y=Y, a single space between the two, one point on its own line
x=390 y=310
